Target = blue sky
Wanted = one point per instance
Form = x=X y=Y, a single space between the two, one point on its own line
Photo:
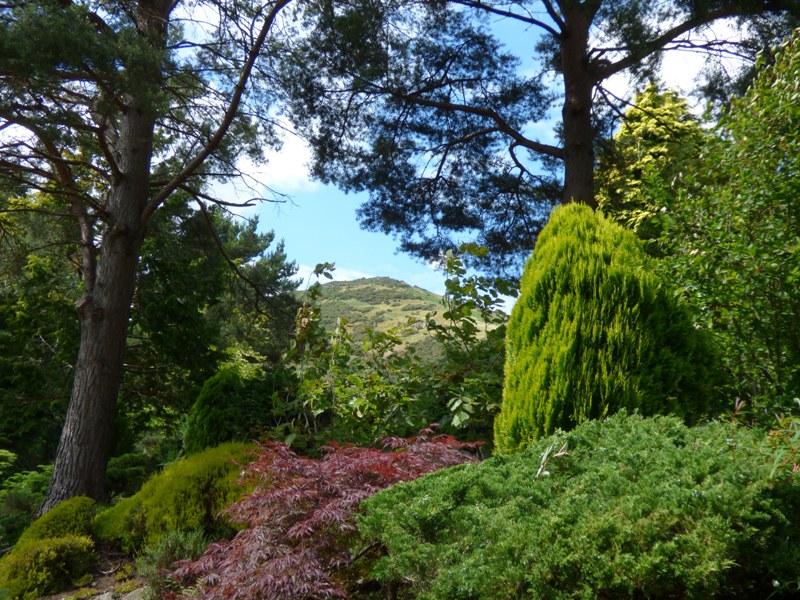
x=318 y=223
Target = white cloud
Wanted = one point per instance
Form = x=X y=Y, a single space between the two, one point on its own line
x=286 y=169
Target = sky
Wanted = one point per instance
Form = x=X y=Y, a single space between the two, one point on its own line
x=318 y=222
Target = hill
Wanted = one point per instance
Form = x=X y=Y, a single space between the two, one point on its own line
x=380 y=303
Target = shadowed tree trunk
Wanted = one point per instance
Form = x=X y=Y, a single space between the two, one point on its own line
x=577 y=109
x=110 y=279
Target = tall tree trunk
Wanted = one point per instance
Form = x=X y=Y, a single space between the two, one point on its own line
x=85 y=445
x=577 y=109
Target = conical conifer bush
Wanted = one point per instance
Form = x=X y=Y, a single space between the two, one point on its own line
x=594 y=331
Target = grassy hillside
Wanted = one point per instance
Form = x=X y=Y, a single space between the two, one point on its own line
x=380 y=303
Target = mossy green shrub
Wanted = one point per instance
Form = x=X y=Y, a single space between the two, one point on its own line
x=46 y=567
x=234 y=404
x=594 y=331
x=186 y=495
x=53 y=552
x=70 y=517
x=629 y=507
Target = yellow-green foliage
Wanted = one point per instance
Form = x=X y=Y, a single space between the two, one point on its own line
x=187 y=495
x=595 y=331
x=70 y=517
x=47 y=566
x=53 y=552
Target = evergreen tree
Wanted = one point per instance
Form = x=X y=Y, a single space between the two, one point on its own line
x=112 y=109
x=189 y=312
x=654 y=153
x=422 y=105
x=595 y=331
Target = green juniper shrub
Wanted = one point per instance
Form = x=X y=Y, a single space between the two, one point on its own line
x=47 y=566
x=234 y=404
x=629 y=507
x=156 y=560
x=595 y=330
x=53 y=552
x=186 y=495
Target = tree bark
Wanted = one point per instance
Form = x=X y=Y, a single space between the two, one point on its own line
x=86 y=438
x=577 y=110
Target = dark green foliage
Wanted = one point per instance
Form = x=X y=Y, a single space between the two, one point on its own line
x=128 y=472
x=53 y=552
x=234 y=405
x=46 y=567
x=734 y=239
x=38 y=327
x=595 y=331
x=186 y=495
x=629 y=507
x=442 y=111
x=21 y=494
x=189 y=310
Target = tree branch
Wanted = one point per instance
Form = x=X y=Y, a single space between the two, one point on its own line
x=228 y=117
x=479 y=5
x=639 y=53
x=488 y=113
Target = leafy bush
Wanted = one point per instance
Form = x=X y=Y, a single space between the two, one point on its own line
x=300 y=517
x=357 y=387
x=734 y=239
x=595 y=331
x=626 y=507
x=21 y=494
x=47 y=566
x=233 y=406
x=186 y=495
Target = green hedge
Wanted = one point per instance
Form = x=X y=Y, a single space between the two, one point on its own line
x=594 y=331
x=629 y=507
x=186 y=495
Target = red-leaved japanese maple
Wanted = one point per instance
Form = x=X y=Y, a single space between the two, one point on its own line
x=301 y=514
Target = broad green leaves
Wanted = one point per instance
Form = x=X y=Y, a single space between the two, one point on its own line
x=736 y=238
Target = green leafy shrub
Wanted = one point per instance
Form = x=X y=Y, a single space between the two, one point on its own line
x=21 y=494
x=186 y=495
x=46 y=566
x=233 y=405
x=621 y=508
x=595 y=331
x=734 y=239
